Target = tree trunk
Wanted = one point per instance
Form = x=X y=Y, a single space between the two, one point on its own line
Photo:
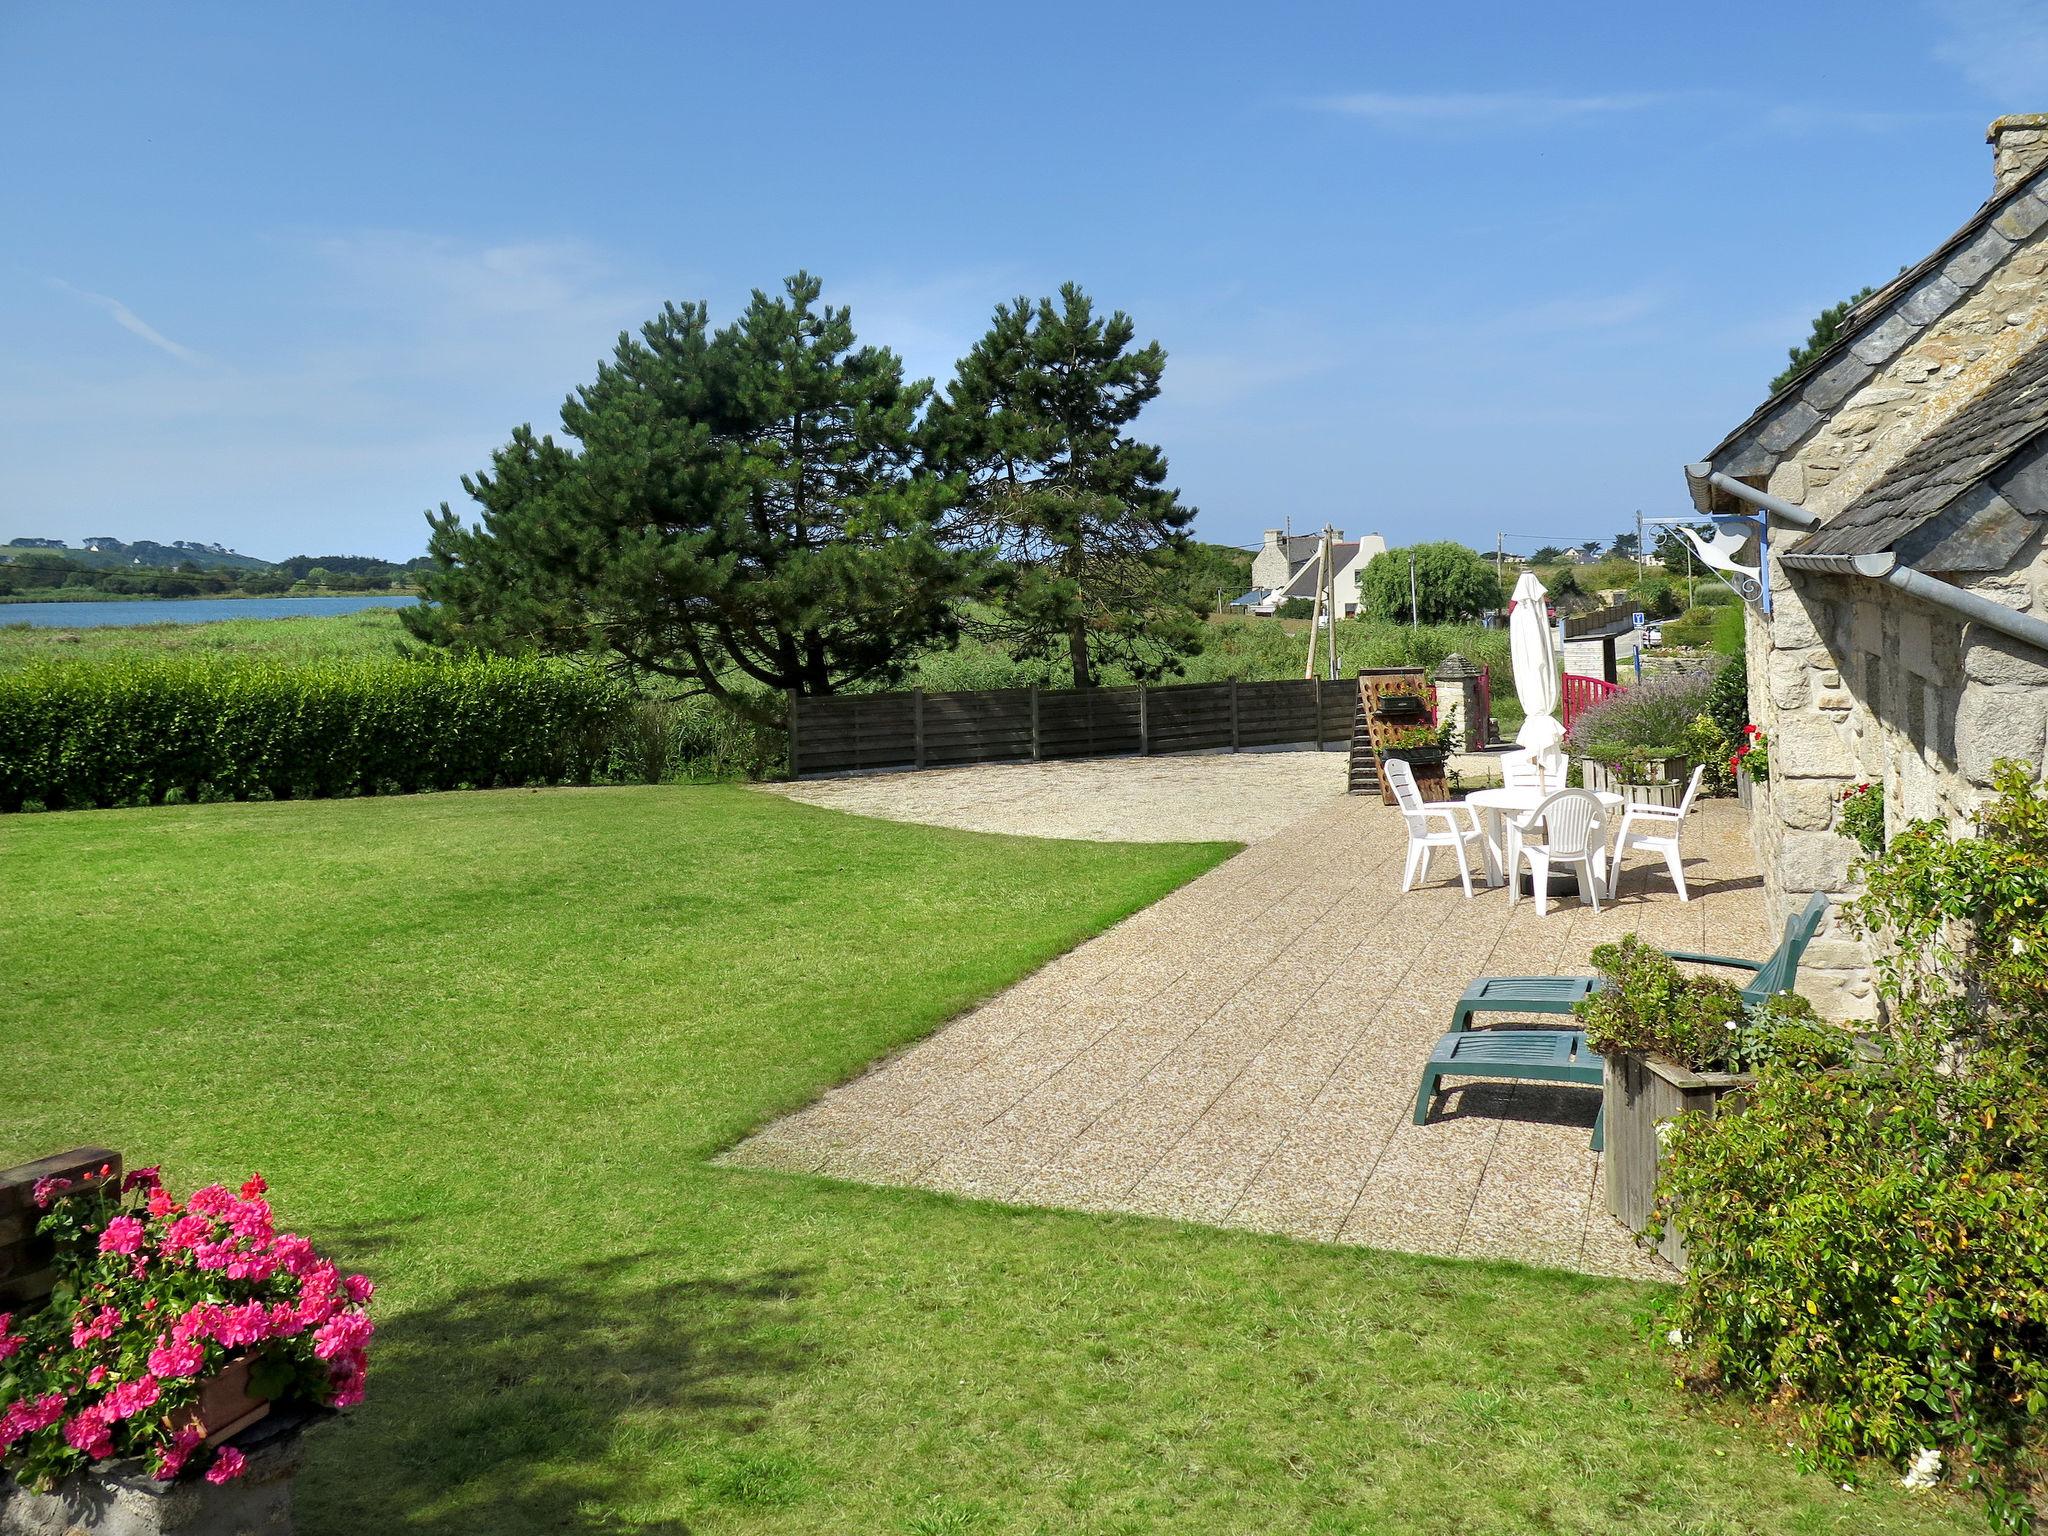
x=1077 y=651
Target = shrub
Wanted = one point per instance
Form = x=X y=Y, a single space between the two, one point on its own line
x=131 y=731
x=152 y=1299
x=1295 y=608
x=1695 y=627
x=1650 y=720
x=1870 y=1249
x=1651 y=1007
x=1863 y=817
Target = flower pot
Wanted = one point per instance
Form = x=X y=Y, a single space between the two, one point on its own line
x=225 y=1407
x=1642 y=1094
x=1652 y=781
x=1416 y=757
x=1399 y=706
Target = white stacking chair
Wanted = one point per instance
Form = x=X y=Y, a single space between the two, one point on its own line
x=1423 y=839
x=1528 y=770
x=1574 y=834
x=1656 y=829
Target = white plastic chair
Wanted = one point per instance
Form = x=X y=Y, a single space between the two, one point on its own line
x=1656 y=829
x=1423 y=840
x=1527 y=770
x=1574 y=834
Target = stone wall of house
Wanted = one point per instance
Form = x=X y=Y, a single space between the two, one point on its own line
x=1854 y=682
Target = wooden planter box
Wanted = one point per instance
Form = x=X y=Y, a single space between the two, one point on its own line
x=1642 y=1093
x=1417 y=758
x=225 y=1407
x=1658 y=782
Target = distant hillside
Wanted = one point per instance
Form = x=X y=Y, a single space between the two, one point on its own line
x=111 y=554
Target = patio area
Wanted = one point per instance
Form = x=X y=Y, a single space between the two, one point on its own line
x=1245 y=1053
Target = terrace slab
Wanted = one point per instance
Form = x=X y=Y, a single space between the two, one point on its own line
x=1245 y=1052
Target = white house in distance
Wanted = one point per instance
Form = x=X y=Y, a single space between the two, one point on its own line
x=1291 y=565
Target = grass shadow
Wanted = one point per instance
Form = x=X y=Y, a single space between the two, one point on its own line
x=528 y=1406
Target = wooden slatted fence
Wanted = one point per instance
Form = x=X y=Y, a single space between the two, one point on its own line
x=848 y=733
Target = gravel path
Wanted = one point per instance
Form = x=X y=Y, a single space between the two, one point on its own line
x=1193 y=797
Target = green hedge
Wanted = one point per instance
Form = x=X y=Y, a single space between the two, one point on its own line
x=136 y=732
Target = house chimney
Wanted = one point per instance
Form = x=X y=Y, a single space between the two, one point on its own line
x=2019 y=147
x=1272 y=538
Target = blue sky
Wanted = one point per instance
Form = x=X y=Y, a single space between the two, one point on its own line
x=279 y=275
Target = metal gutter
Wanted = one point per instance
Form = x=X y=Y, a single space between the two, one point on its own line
x=1884 y=566
x=1796 y=515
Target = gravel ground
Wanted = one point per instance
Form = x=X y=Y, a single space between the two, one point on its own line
x=1240 y=797
x=1246 y=1051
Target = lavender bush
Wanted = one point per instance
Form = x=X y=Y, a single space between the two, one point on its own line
x=1653 y=719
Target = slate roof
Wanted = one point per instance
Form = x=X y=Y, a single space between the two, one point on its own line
x=1947 y=504
x=1309 y=577
x=1875 y=332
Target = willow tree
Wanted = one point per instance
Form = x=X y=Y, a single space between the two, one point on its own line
x=1084 y=530
x=743 y=511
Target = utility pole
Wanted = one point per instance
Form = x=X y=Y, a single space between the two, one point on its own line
x=1318 y=612
x=1414 y=621
x=1330 y=578
x=1498 y=540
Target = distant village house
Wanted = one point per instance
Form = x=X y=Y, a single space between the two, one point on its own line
x=1290 y=566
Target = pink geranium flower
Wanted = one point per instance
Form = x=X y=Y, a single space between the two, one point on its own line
x=100 y=1326
x=228 y=1464
x=131 y=1397
x=48 y=1189
x=186 y=1232
x=91 y=1431
x=176 y=1358
x=143 y=1178
x=123 y=1235
x=346 y=1333
x=171 y=1459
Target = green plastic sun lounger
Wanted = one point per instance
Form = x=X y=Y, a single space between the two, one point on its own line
x=1526 y=1055
x=1557 y=994
x=1561 y=1055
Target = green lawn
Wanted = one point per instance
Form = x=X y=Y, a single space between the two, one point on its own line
x=482 y=1045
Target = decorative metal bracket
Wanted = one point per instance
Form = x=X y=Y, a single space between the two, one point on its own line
x=1751 y=583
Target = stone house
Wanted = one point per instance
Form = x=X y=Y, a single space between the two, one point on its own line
x=1904 y=474
x=1291 y=565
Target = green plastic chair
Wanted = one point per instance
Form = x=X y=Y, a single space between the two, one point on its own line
x=1558 y=994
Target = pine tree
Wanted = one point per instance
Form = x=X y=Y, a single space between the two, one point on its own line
x=1827 y=325
x=741 y=507
x=1084 y=530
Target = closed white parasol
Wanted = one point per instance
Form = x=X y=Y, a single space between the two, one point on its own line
x=1534 y=646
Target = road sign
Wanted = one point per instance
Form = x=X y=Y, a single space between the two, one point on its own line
x=1638 y=618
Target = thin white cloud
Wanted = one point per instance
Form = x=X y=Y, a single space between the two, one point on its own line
x=131 y=322
x=1999 y=46
x=1592 y=312
x=1477 y=108
x=1818 y=117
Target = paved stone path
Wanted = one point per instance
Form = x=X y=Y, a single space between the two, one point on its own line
x=1245 y=1053
x=1229 y=797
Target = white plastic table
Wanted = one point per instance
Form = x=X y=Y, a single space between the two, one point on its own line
x=1493 y=804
